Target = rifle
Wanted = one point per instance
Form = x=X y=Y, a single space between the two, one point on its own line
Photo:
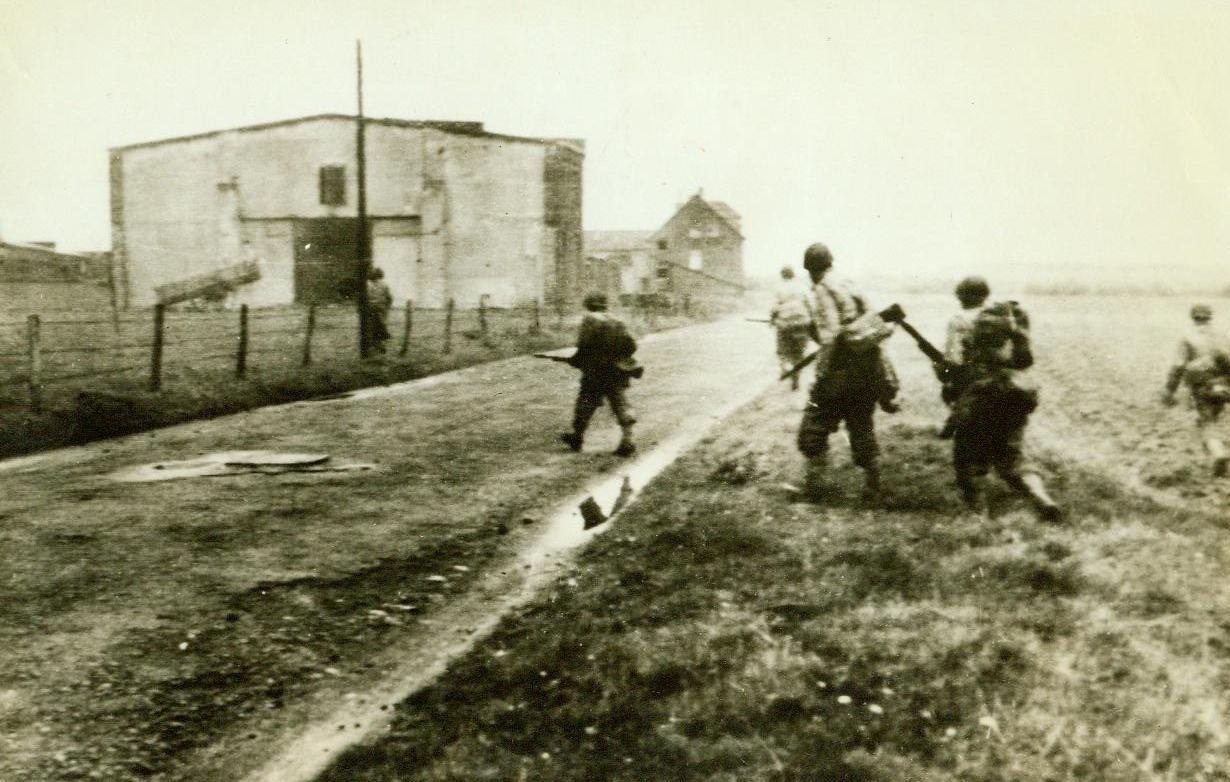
x=803 y=362
x=943 y=367
x=628 y=366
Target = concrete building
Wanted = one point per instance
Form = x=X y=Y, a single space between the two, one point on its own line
x=454 y=211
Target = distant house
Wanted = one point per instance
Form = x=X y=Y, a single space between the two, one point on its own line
x=454 y=211
x=700 y=250
x=625 y=259
x=697 y=253
x=35 y=277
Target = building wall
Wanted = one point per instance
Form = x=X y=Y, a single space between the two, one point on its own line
x=451 y=214
x=696 y=232
x=562 y=175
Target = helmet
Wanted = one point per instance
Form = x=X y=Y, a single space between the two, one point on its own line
x=817 y=258
x=973 y=289
x=787 y=273
x=1201 y=312
x=595 y=302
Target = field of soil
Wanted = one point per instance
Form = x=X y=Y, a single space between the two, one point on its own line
x=717 y=630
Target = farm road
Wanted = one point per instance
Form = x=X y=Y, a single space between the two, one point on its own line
x=144 y=623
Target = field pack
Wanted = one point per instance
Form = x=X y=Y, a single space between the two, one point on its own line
x=996 y=323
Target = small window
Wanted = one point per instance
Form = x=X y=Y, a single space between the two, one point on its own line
x=664 y=271
x=332 y=185
x=696 y=260
x=661 y=244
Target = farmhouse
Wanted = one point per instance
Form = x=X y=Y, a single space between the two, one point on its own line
x=454 y=212
x=696 y=254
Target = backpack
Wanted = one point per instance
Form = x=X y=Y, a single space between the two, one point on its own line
x=994 y=325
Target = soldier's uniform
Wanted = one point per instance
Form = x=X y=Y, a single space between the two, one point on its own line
x=993 y=408
x=1202 y=363
x=849 y=383
x=604 y=355
x=971 y=292
x=791 y=318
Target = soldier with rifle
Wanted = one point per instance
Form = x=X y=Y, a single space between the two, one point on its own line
x=852 y=375
x=972 y=293
x=1202 y=363
x=604 y=355
x=992 y=406
x=790 y=317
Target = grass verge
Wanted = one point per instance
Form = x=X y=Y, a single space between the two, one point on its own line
x=721 y=631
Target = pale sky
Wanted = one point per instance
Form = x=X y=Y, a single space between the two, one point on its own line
x=916 y=138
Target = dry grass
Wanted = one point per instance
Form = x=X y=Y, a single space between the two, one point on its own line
x=722 y=632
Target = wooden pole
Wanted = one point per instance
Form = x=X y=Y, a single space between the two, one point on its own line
x=241 y=357
x=155 y=361
x=405 y=334
x=307 y=335
x=362 y=250
x=536 y=325
x=448 y=328
x=34 y=350
x=482 y=319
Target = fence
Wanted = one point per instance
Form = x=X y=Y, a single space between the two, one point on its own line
x=61 y=355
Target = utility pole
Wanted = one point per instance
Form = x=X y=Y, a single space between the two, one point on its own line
x=363 y=250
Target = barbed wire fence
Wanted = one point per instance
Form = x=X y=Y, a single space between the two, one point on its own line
x=48 y=360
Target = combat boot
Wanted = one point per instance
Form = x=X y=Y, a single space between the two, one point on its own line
x=1042 y=502
x=1221 y=461
x=814 y=487
x=626 y=447
x=871 y=486
x=572 y=440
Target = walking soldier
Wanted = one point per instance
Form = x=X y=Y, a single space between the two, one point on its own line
x=791 y=318
x=990 y=415
x=1203 y=363
x=851 y=377
x=605 y=357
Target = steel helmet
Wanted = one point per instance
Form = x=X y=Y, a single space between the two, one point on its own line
x=817 y=258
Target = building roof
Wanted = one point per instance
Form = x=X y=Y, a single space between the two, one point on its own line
x=38 y=248
x=612 y=241
x=727 y=213
x=458 y=128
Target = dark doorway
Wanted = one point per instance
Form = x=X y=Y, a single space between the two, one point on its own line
x=326 y=260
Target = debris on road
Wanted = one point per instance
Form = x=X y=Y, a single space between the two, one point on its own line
x=225 y=463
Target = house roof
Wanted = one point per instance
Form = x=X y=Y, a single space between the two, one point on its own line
x=610 y=241
x=458 y=128
x=727 y=213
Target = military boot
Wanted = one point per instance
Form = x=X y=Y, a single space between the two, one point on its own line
x=1221 y=461
x=573 y=440
x=1042 y=502
x=814 y=487
x=626 y=447
x=871 y=486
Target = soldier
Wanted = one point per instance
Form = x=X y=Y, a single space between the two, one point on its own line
x=972 y=293
x=605 y=357
x=379 y=301
x=850 y=377
x=993 y=408
x=1203 y=361
x=791 y=318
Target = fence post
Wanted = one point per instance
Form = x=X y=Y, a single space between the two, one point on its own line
x=482 y=319
x=536 y=325
x=448 y=327
x=34 y=344
x=687 y=305
x=405 y=333
x=307 y=335
x=241 y=359
x=155 y=359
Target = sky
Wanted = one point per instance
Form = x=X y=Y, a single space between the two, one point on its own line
x=918 y=138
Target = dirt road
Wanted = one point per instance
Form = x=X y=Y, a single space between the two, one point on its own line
x=168 y=629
